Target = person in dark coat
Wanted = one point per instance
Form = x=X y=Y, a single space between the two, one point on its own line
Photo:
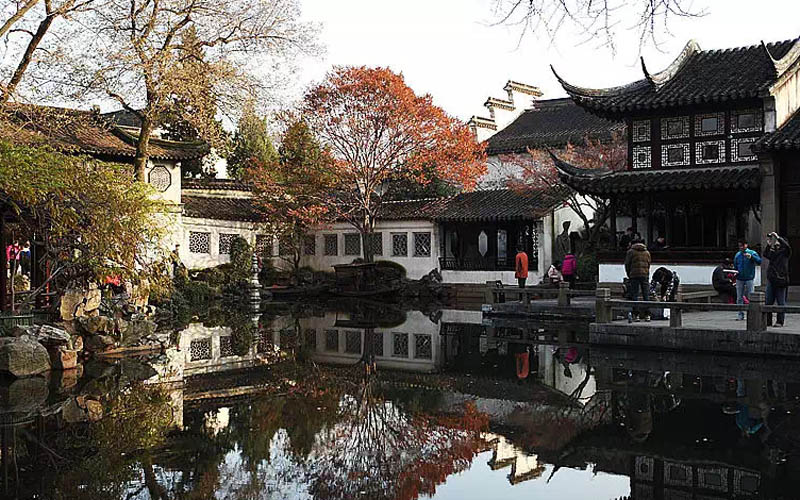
x=664 y=284
x=637 y=267
x=778 y=252
x=722 y=280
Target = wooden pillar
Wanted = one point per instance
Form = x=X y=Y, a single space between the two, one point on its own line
x=3 y=245
x=668 y=222
x=613 y=215
x=649 y=219
x=634 y=215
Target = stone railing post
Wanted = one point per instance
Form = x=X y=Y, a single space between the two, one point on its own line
x=756 y=319
x=563 y=293
x=675 y=314
x=602 y=307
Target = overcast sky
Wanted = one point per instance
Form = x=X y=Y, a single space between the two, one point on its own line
x=448 y=49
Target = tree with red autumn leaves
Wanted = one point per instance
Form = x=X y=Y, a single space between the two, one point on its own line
x=537 y=172
x=379 y=132
x=288 y=189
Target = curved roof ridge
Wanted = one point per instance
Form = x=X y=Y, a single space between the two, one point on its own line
x=576 y=91
x=659 y=79
x=783 y=63
x=570 y=170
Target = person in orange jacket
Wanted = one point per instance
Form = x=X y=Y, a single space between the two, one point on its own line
x=521 y=267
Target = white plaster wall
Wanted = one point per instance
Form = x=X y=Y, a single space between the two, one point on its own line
x=416 y=267
x=690 y=274
x=787 y=97
x=498 y=173
x=191 y=260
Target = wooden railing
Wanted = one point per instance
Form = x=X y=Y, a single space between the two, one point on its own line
x=496 y=293
x=756 y=311
x=501 y=264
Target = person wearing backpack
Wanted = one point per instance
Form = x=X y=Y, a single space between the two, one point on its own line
x=569 y=269
x=778 y=252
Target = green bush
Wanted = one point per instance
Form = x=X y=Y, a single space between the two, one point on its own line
x=587 y=267
x=388 y=265
x=241 y=259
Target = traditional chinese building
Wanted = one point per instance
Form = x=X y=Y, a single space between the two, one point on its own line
x=712 y=143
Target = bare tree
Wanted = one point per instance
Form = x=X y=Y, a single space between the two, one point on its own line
x=597 y=20
x=144 y=54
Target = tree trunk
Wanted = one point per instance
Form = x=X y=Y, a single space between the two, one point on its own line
x=44 y=25
x=143 y=147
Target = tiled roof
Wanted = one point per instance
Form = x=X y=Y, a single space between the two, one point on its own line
x=217 y=208
x=551 y=123
x=600 y=182
x=478 y=206
x=76 y=131
x=695 y=77
x=215 y=184
x=786 y=137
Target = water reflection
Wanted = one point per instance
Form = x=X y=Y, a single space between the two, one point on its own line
x=366 y=400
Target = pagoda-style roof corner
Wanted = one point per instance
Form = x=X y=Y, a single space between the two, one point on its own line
x=584 y=93
x=782 y=64
x=659 y=79
x=567 y=170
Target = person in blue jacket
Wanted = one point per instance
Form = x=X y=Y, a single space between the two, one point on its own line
x=745 y=263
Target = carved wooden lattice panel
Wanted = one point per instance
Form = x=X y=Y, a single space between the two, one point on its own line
x=226 y=346
x=199 y=242
x=400 y=345
x=352 y=244
x=352 y=342
x=399 y=245
x=331 y=244
x=331 y=340
x=225 y=240
x=422 y=244
x=160 y=178
x=310 y=245
x=200 y=349
x=423 y=346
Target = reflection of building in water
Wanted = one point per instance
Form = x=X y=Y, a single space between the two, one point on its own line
x=524 y=466
x=335 y=338
x=213 y=349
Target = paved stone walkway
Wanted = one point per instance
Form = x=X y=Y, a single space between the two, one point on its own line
x=721 y=320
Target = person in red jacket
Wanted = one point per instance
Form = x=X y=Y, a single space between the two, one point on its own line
x=569 y=269
x=521 y=267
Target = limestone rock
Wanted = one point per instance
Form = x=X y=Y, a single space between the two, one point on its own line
x=97 y=343
x=24 y=395
x=23 y=356
x=97 y=324
x=46 y=334
x=77 y=303
x=72 y=413
x=137 y=330
x=94 y=410
x=77 y=342
x=62 y=358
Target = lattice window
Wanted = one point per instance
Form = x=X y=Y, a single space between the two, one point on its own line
x=352 y=244
x=742 y=149
x=352 y=342
x=422 y=244
x=534 y=256
x=309 y=244
x=376 y=243
x=264 y=245
x=160 y=178
x=674 y=154
x=676 y=474
x=641 y=131
x=641 y=157
x=746 y=120
x=285 y=246
x=199 y=242
x=200 y=349
x=377 y=342
x=400 y=345
x=709 y=124
x=226 y=346
x=310 y=338
x=423 y=347
x=225 y=240
x=712 y=478
x=676 y=127
x=709 y=152
x=331 y=340
x=265 y=342
x=399 y=245
x=331 y=244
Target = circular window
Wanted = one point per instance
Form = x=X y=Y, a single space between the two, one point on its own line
x=160 y=178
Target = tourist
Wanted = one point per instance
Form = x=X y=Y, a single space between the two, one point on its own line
x=12 y=257
x=521 y=266
x=569 y=269
x=778 y=252
x=626 y=239
x=745 y=263
x=664 y=284
x=25 y=258
x=554 y=273
x=659 y=244
x=723 y=279
x=637 y=267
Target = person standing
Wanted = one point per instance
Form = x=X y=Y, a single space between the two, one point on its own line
x=569 y=269
x=521 y=267
x=722 y=279
x=12 y=257
x=745 y=263
x=778 y=252
x=637 y=267
x=25 y=258
x=626 y=239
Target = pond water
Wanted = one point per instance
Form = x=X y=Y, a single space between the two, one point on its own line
x=368 y=400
